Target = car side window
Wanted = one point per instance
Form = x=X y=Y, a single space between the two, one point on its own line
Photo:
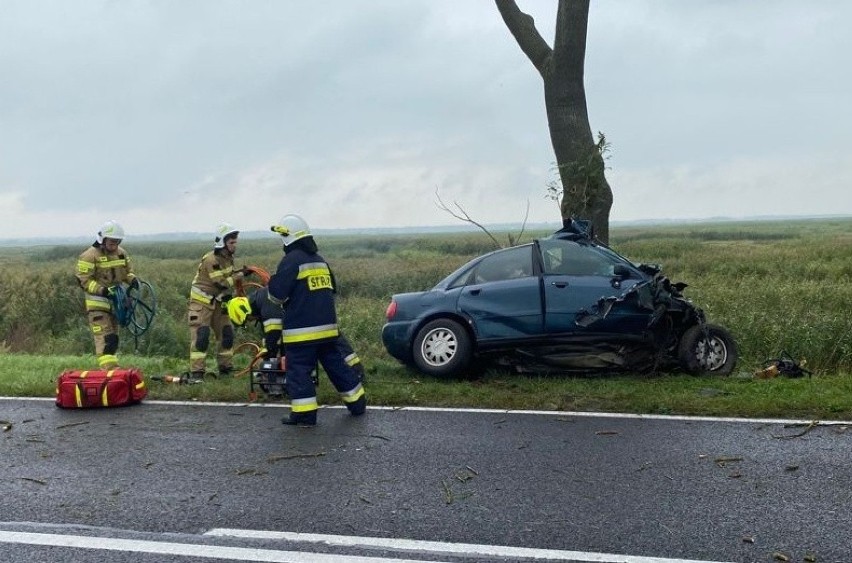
x=565 y=257
x=508 y=264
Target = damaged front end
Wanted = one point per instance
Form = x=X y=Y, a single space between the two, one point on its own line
x=657 y=347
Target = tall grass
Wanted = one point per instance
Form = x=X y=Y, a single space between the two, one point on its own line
x=779 y=286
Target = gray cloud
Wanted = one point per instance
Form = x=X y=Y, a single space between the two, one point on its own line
x=178 y=115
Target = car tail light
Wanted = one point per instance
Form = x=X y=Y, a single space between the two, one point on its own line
x=390 y=313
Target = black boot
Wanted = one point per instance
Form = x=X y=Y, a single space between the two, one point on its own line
x=359 y=407
x=225 y=371
x=195 y=377
x=301 y=419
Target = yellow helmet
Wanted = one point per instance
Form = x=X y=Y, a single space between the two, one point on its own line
x=239 y=309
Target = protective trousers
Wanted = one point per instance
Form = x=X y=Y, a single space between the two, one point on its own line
x=105 y=332
x=351 y=358
x=204 y=320
x=301 y=360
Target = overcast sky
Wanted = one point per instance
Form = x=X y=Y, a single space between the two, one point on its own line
x=174 y=115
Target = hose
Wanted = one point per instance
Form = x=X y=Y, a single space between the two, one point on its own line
x=135 y=307
x=257 y=355
x=243 y=287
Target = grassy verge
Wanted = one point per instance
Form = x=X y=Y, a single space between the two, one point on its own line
x=821 y=397
x=778 y=286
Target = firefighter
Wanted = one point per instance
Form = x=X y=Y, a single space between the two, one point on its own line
x=212 y=287
x=270 y=315
x=304 y=286
x=100 y=269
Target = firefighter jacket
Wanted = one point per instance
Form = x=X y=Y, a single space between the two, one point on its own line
x=304 y=286
x=98 y=271
x=215 y=278
x=271 y=317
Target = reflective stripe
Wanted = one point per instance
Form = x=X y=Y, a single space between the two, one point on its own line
x=272 y=324
x=312 y=269
x=309 y=333
x=98 y=304
x=200 y=296
x=110 y=360
x=351 y=396
x=304 y=405
x=117 y=263
x=352 y=359
x=104 y=399
x=84 y=267
x=93 y=287
x=197 y=355
x=225 y=275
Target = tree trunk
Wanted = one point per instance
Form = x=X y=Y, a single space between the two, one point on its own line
x=585 y=192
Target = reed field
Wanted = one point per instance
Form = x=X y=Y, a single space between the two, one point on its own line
x=779 y=286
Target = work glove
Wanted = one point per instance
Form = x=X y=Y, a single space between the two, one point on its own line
x=134 y=283
x=108 y=291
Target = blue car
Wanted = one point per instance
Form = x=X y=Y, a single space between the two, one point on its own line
x=565 y=303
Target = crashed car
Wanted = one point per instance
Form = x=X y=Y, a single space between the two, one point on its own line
x=564 y=303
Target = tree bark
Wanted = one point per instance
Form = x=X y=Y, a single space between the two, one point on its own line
x=585 y=192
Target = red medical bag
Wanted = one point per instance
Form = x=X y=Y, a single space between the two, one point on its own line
x=76 y=389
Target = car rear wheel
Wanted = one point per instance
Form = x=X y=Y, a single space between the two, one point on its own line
x=442 y=348
x=708 y=349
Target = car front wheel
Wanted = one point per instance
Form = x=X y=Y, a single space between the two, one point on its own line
x=708 y=349
x=442 y=348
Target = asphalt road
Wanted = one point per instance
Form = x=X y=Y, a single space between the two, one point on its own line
x=672 y=488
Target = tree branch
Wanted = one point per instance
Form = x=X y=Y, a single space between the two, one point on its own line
x=463 y=216
x=516 y=240
x=522 y=27
x=569 y=45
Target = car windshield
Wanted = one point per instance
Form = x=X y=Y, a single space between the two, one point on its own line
x=618 y=257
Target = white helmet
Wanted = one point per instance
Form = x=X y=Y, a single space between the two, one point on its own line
x=110 y=229
x=222 y=232
x=291 y=228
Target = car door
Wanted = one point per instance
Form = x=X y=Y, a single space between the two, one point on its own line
x=575 y=278
x=502 y=297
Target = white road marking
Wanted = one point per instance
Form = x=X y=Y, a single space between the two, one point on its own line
x=499 y=411
x=188 y=549
x=442 y=548
x=427 y=548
